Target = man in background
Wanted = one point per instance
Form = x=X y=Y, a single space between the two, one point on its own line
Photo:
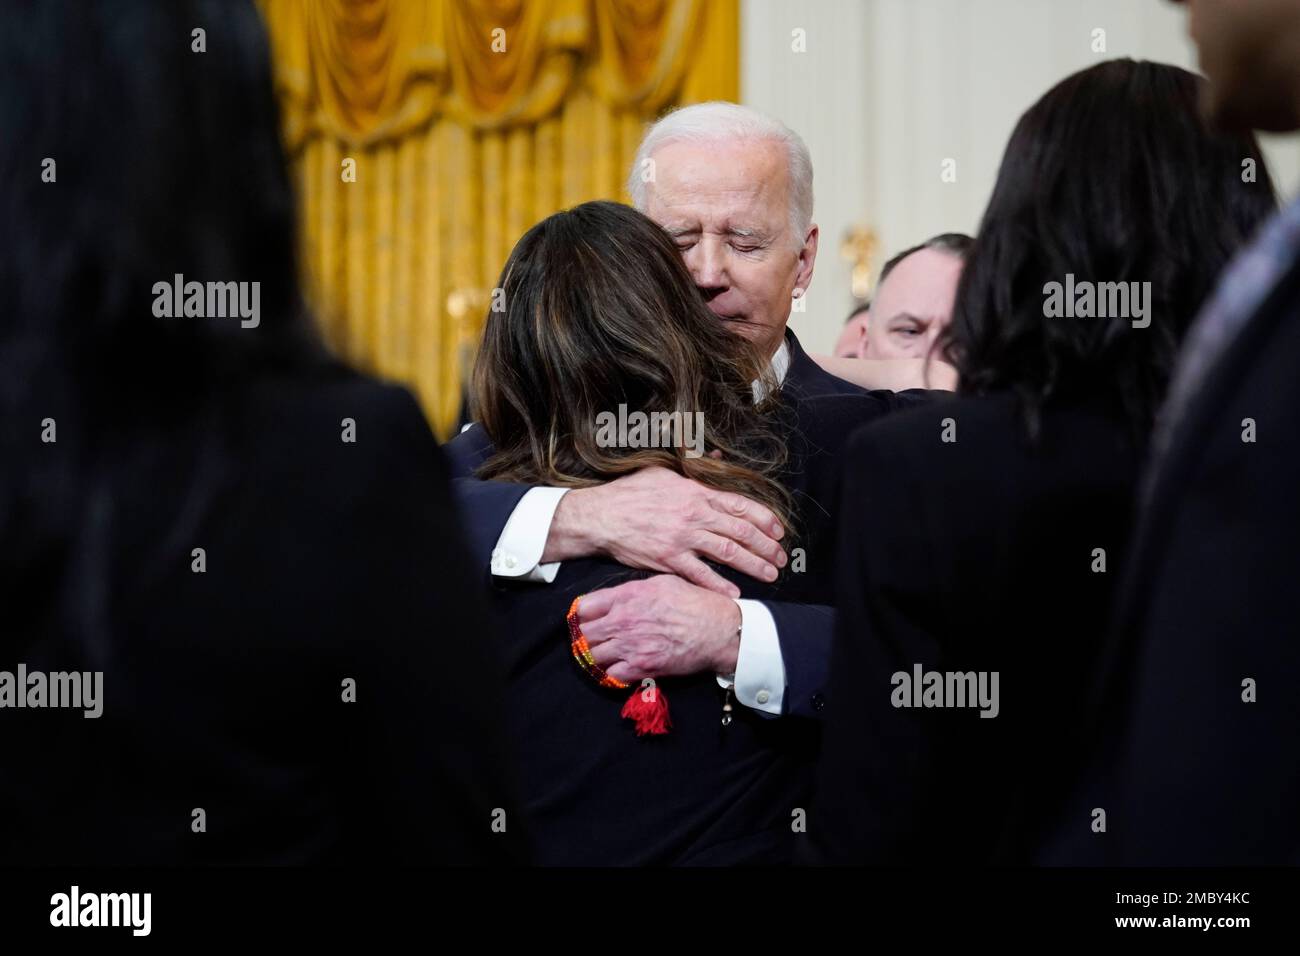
x=914 y=299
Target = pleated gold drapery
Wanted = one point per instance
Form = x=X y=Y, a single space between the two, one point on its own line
x=468 y=121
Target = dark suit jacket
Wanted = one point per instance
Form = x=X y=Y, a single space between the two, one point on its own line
x=804 y=630
x=1196 y=775
x=967 y=556
x=223 y=690
x=702 y=794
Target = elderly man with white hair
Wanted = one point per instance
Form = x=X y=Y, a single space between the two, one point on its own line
x=733 y=188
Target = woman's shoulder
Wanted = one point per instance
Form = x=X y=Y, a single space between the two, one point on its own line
x=331 y=392
x=908 y=419
x=336 y=407
x=953 y=445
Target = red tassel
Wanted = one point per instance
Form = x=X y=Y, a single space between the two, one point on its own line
x=648 y=708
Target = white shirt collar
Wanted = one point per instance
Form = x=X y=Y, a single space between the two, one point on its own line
x=780 y=366
x=781 y=362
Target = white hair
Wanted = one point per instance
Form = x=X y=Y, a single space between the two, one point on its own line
x=717 y=122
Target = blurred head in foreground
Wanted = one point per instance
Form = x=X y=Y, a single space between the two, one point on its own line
x=1251 y=53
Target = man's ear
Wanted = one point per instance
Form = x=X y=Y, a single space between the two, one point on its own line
x=807 y=258
x=863 y=332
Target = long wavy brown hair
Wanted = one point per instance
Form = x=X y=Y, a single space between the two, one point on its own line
x=595 y=309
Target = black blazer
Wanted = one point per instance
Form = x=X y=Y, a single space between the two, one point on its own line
x=595 y=793
x=971 y=555
x=1196 y=775
x=223 y=691
x=804 y=630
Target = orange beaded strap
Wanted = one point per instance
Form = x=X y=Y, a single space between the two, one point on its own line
x=582 y=651
x=647 y=708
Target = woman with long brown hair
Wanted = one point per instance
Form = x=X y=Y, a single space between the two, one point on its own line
x=600 y=360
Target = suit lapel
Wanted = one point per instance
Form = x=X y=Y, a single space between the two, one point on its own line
x=799 y=360
x=806 y=378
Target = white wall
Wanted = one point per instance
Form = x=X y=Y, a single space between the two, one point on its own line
x=889 y=89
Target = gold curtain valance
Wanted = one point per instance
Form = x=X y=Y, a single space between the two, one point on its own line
x=366 y=70
x=467 y=121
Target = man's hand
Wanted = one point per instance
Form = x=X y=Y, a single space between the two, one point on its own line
x=660 y=627
x=657 y=520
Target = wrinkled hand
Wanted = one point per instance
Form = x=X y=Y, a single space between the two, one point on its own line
x=657 y=520
x=660 y=627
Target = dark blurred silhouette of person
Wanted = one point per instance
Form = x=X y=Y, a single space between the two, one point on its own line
x=270 y=649
x=626 y=333
x=1202 y=757
x=986 y=533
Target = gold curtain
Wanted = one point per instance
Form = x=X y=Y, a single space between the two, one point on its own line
x=467 y=121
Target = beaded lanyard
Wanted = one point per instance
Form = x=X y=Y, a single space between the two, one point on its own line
x=647 y=708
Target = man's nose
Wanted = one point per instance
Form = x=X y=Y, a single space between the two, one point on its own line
x=707 y=262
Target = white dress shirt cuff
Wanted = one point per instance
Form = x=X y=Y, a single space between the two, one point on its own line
x=519 y=549
x=759 y=680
